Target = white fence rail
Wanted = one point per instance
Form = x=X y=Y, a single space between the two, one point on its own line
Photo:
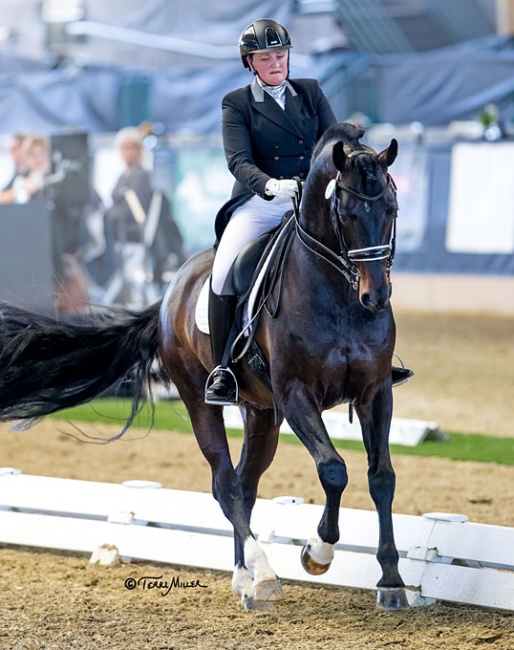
x=443 y=557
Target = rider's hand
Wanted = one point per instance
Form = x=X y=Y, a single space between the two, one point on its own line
x=285 y=189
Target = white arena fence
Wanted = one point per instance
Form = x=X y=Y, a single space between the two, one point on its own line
x=443 y=556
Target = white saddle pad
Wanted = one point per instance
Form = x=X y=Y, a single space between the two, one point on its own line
x=202 y=308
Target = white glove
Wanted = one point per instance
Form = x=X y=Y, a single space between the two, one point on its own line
x=285 y=189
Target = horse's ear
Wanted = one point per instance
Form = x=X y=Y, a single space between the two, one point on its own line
x=387 y=157
x=339 y=156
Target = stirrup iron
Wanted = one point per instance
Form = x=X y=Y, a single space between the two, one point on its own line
x=402 y=373
x=208 y=385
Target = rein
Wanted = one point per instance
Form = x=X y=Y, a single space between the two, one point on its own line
x=344 y=262
x=338 y=262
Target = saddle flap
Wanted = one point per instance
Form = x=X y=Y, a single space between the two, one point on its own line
x=252 y=264
x=246 y=263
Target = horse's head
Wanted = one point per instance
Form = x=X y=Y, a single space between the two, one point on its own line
x=360 y=203
x=363 y=217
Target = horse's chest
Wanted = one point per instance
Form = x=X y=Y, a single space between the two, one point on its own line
x=334 y=351
x=343 y=341
x=337 y=351
x=341 y=358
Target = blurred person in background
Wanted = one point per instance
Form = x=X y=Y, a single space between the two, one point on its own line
x=16 y=151
x=121 y=270
x=35 y=160
x=132 y=193
x=142 y=242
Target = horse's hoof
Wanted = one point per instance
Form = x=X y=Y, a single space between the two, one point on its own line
x=392 y=599
x=310 y=565
x=267 y=590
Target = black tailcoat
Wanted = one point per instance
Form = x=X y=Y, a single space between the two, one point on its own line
x=264 y=141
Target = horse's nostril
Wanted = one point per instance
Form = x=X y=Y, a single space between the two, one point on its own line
x=367 y=302
x=371 y=304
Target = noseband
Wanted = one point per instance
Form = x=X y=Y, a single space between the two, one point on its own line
x=344 y=262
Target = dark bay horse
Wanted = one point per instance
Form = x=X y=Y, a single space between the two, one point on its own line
x=330 y=342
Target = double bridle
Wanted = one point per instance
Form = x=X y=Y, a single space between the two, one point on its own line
x=344 y=262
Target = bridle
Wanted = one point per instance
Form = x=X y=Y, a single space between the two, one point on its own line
x=345 y=261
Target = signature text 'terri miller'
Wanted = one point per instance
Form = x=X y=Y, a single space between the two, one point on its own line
x=162 y=586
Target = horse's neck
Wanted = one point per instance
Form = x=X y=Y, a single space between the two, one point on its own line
x=320 y=276
x=316 y=256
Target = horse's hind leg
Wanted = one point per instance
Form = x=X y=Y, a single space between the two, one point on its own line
x=375 y=421
x=259 y=447
x=209 y=429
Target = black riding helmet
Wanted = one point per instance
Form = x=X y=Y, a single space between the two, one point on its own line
x=263 y=35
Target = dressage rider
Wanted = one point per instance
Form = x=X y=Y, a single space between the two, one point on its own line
x=270 y=128
x=269 y=131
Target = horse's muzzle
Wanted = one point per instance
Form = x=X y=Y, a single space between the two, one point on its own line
x=373 y=304
x=375 y=299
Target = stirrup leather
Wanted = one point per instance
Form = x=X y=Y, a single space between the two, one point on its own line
x=221 y=401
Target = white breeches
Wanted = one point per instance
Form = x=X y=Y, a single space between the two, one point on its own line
x=249 y=221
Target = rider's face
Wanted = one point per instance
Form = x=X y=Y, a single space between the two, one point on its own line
x=270 y=66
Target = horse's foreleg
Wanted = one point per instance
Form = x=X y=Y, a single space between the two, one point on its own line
x=259 y=447
x=303 y=416
x=375 y=421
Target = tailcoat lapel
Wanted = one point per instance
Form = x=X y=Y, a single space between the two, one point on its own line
x=267 y=106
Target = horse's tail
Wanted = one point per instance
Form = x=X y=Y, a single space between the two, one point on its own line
x=49 y=364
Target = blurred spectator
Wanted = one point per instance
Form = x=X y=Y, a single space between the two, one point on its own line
x=16 y=151
x=132 y=193
x=142 y=245
x=34 y=158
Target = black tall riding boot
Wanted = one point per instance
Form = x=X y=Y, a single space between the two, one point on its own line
x=221 y=387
